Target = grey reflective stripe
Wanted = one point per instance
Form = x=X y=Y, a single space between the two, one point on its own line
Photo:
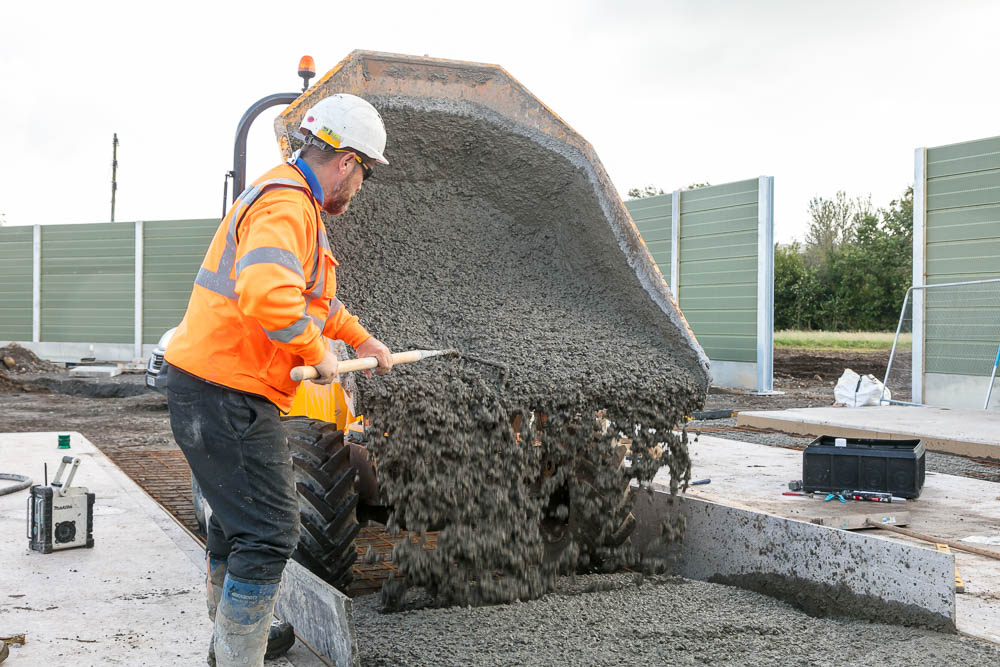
x=286 y=334
x=318 y=322
x=269 y=255
x=219 y=281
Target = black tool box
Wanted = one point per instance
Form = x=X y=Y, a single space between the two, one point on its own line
x=832 y=464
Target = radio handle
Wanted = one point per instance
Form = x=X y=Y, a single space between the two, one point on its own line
x=63 y=487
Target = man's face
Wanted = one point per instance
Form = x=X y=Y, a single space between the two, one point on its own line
x=338 y=201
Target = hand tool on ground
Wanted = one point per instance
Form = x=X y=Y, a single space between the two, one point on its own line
x=870 y=496
x=698 y=482
x=300 y=373
x=792 y=493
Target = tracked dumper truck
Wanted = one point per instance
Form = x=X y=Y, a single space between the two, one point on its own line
x=467 y=139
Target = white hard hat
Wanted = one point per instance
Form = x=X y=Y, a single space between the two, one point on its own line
x=347 y=121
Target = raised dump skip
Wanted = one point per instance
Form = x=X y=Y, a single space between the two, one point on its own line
x=495 y=231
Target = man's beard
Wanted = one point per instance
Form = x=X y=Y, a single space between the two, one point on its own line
x=338 y=201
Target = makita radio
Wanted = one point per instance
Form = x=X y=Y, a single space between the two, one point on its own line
x=61 y=516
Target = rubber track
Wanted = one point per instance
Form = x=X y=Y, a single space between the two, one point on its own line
x=324 y=481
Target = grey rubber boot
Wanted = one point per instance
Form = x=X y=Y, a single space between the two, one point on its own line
x=280 y=636
x=242 y=623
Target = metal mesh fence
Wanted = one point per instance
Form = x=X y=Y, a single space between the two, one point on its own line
x=960 y=325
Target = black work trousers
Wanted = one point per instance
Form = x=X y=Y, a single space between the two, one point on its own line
x=238 y=453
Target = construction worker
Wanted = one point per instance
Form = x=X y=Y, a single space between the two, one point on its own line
x=262 y=303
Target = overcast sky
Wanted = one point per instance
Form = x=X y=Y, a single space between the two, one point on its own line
x=823 y=96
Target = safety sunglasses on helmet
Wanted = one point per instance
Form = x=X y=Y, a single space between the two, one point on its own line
x=366 y=170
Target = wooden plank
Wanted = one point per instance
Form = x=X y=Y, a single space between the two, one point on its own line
x=959 y=584
x=859 y=521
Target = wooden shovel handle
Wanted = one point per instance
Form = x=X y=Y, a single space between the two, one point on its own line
x=300 y=373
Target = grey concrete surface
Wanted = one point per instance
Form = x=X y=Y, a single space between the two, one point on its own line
x=320 y=614
x=949 y=464
x=136 y=598
x=753 y=476
x=822 y=570
x=95 y=371
x=625 y=619
x=951 y=430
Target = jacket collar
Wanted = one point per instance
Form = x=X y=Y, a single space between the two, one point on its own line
x=300 y=165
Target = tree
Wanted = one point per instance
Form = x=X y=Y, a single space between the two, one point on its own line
x=832 y=222
x=648 y=191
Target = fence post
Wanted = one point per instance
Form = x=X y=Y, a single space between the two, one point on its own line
x=765 y=285
x=919 y=272
x=36 y=283
x=675 y=245
x=138 y=288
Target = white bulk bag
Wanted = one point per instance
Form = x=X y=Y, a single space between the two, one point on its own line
x=855 y=390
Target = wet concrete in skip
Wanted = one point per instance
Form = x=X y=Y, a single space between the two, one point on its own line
x=482 y=239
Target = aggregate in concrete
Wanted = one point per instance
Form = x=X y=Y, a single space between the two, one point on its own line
x=483 y=238
x=625 y=619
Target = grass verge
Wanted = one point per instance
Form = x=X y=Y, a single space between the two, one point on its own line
x=841 y=340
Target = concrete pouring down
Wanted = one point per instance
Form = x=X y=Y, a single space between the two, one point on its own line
x=495 y=231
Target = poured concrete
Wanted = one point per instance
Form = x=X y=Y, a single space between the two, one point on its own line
x=963 y=431
x=753 y=477
x=136 y=598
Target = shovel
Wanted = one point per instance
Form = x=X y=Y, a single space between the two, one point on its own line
x=300 y=373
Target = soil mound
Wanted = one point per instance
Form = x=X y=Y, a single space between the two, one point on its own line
x=25 y=361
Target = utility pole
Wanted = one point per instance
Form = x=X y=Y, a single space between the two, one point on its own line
x=114 y=173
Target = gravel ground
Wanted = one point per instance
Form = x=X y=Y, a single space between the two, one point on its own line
x=622 y=619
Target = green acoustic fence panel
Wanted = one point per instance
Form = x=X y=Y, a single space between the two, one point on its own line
x=962 y=232
x=172 y=252
x=88 y=283
x=718 y=268
x=652 y=217
x=15 y=283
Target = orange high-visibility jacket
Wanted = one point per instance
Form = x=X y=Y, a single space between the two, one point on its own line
x=265 y=294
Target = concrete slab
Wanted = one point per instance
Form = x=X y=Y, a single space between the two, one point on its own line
x=95 y=371
x=961 y=431
x=823 y=570
x=135 y=598
x=753 y=477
